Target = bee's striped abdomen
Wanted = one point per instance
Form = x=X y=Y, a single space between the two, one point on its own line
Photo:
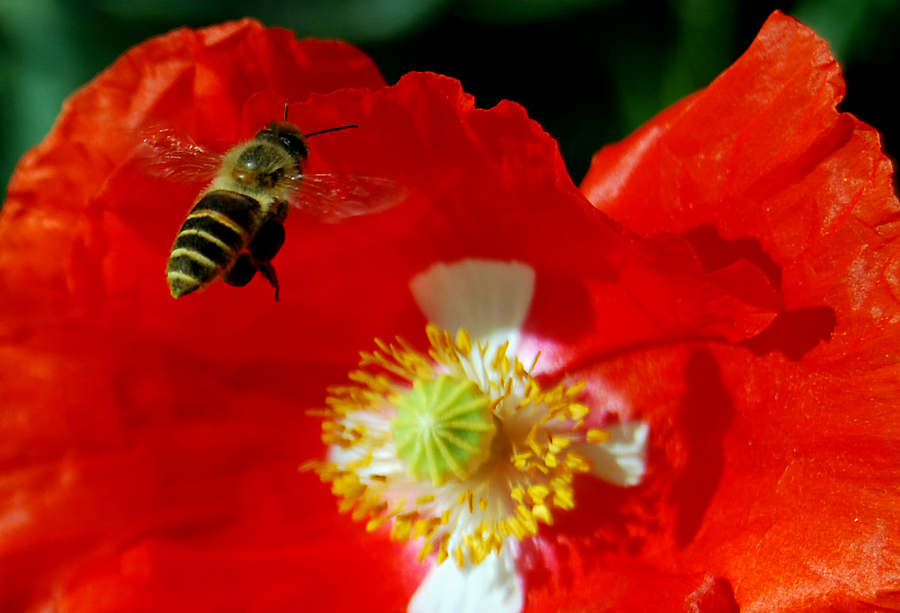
x=217 y=229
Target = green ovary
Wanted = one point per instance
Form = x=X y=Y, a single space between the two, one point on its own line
x=443 y=429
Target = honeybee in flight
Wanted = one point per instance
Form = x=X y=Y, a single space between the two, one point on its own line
x=235 y=227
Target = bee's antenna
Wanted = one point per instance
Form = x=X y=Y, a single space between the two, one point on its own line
x=285 y=112
x=331 y=130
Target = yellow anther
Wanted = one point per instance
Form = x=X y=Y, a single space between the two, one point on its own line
x=459 y=557
x=577 y=463
x=538 y=493
x=401 y=530
x=463 y=341
x=578 y=411
x=542 y=512
x=596 y=436
x=563 y=498
x=376 y=522
x=558 y=443
x=443 y=554
x=427 y=548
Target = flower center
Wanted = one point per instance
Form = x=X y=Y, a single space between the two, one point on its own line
x=443 y=426
x=460 y=447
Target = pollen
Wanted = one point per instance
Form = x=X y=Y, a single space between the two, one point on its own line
x=457 y=448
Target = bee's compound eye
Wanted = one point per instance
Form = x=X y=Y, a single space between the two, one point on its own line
x=294 y=145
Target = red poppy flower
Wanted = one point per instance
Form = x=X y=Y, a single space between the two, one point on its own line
x=761 y=167
x=151 y=445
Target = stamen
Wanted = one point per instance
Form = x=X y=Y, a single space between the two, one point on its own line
x=460 y=447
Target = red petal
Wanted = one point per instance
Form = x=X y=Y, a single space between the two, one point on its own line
x=618 y=584
x=762 y=153
x=331 y=573
x=782 y=482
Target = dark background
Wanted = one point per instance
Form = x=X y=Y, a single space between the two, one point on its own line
x=589 y=71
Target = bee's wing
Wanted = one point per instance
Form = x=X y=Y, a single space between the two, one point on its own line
x=167 y=154
x=330 y=198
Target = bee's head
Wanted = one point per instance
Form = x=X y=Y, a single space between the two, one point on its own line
x=287 y=136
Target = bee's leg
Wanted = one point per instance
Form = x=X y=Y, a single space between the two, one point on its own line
x=267 y=242
x=279 y=211
x=265 y=246
x=242 y=272
x=268 y=271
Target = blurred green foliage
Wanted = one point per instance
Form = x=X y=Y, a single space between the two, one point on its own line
x=589 y=71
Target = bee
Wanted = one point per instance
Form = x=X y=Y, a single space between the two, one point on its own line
x=235 y=228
